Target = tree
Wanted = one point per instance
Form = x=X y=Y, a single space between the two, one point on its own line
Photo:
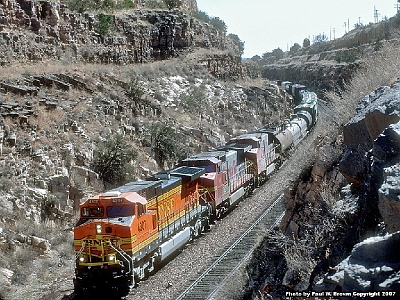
x=105 y=24
x=294 y=48
x=219 y=24
x=112 y=160
x=306 y=43
x=164 y=143
x=240 y=44
x=278 y=53
x=172 y=3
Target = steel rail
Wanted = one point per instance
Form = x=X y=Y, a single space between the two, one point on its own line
x=226 y=275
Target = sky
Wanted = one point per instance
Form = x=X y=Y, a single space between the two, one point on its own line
x=265 y=25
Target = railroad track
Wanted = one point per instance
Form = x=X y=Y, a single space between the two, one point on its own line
x=215 y=276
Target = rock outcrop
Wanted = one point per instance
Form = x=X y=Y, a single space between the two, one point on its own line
x=375 y=132
x=322 y=224
x=374 y=113
x=317 y=75
x=138 y=36
x=373 y=266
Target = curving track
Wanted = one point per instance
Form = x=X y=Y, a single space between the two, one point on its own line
x=214 y=277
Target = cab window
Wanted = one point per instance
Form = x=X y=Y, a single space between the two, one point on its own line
x=93 y=212
x=141 y=209
x=120 y=211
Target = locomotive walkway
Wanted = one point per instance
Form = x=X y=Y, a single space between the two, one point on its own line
x=215 y=276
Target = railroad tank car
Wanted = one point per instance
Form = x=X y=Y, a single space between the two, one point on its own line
x=308 y=108
x=297 y=126
x=126 y=233
x=123 y=234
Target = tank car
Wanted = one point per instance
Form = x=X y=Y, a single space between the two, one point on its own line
x=308 y=108
x=124 y=234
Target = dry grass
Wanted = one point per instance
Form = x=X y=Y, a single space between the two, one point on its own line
x=379 y=69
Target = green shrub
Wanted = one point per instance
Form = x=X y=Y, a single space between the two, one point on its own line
x=134 y=90
x=194 y=101
x=108 y=5
x=214 y=21
x=125 y=4
x=104 y=24
x=164 y=143
x=346 y=57
x=112 y=160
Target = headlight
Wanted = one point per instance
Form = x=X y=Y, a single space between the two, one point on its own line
x=111 y=257
x=81 y=258
x=98 y=228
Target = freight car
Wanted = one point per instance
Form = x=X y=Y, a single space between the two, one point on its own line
x=125 y=234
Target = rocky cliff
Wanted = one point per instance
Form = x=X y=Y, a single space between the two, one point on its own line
x=330 y=64
x=373 y=153
x=33 y=31
x=351 y=193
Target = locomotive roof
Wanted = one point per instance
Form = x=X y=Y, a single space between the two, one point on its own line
x=211 y=160
x=238 y=147
x=191 y=172
x=219 y=154
x=248 y=136
x=136 y=186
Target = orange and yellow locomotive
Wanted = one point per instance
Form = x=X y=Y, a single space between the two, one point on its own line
x=123 y=234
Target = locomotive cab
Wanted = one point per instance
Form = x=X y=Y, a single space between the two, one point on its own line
x=107 y=238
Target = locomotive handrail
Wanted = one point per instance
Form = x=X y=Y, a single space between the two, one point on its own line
x=81 y=250
x=122 y=253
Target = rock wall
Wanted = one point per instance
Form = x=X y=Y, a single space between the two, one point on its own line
x=317 y=75
x=39 y=30
x=322 y=226
x=371 y=163
x=329 y=64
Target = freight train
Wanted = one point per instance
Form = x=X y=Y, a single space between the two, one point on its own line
x=126 y=233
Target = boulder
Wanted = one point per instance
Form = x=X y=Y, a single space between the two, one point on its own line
x=386 y=162
x=389 y=197
x=374 y=114
x=372 y=263
x=6 y=277
x=372 y=266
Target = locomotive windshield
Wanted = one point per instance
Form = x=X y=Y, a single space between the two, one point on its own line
x=120 y=211
x=93 y=211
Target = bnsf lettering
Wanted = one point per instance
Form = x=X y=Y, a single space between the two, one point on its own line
x=166 y=208
x=93 y=243
x=142 y=225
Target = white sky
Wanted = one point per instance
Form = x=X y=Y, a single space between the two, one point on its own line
x=265 y=25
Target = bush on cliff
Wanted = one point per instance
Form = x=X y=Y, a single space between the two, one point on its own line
x=112 y=160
